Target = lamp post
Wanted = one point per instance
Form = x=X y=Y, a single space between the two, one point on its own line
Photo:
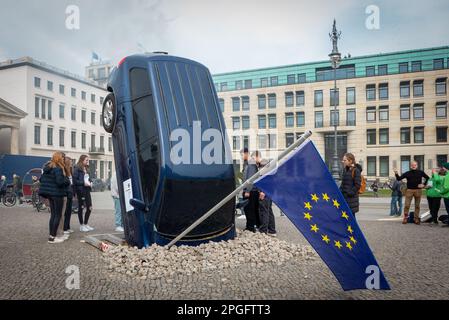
x=335 y=58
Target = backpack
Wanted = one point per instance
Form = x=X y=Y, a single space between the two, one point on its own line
x=362 y=182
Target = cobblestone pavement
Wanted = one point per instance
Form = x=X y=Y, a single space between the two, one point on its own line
x=413 y=258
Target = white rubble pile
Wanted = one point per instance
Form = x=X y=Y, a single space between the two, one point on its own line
x=254 y=249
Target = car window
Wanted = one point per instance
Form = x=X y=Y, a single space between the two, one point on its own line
x=146 y=131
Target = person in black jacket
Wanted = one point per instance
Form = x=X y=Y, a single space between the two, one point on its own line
x=414 y=189
x=396 y=198
x=252 y=193
x=351 y=180
x=83 y=186
x=266 y=215
x=53 y=185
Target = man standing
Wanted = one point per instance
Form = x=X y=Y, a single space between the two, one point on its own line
x=266 y=215
x=245 y=156
x=117 y=207
x=17 y=185
x=414 y=189
x=2 y=187
x=396 y=198
x=252 y=193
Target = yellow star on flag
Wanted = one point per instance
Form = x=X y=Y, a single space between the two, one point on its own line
x=338 y=244
x=325 y=238
x=344 y=215
x=307 y=205
x=348 y=245
x=314 y=228
x=336 y=204
x=325 y=197
x=307 y=216
x=350 y=230
x=353 y=239
x=315 y=197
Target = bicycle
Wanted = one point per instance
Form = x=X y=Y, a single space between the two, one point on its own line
x=9 y=199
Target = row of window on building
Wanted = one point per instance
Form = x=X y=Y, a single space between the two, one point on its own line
x=382 y=113
x=73 y=141
x=297 y=98
x=73 y=91
x=384 y=170
x=405 y=136
x=268 y=141
x=43 y=109
x=327 y=73
x=264 y=141
x=405 y=112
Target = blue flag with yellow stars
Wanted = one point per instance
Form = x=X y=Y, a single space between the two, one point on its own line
x=303 y=188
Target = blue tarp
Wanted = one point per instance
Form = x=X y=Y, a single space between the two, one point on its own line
x=19 y=164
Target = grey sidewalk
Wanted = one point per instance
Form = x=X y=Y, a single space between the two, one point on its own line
x=31 y=268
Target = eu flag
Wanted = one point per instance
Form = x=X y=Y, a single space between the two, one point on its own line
x=304 y=189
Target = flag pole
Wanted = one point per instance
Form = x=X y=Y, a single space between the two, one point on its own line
x=248 y=182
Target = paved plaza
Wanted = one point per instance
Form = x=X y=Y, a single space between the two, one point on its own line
x=413 y=258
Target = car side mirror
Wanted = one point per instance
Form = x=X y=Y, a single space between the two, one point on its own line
x=139 y=204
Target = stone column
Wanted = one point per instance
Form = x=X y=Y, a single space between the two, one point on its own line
x=14 y=140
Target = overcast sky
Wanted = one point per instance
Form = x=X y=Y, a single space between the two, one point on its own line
x=225 y=35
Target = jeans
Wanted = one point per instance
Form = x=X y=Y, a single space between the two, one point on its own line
x=434 y=206
x=396 y=206
x=252 y=211
x=56 y=205
x=84 y=201
x=118 y=212
x=68 y=213
x=446 y=204
x=266 y=216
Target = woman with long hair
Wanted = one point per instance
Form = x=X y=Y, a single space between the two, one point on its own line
x=83 y=185
x=68 y=204
x=351 y=181
x=54 y=182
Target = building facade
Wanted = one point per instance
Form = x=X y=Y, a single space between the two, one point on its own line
x=391 y=109
x=63 y=113
x=98 y=72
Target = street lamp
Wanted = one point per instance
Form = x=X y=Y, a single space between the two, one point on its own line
x=335 y=58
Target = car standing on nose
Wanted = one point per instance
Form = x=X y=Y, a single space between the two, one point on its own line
x=151 y=97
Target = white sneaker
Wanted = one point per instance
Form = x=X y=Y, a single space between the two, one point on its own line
x=119 y=229
x=68 y=231
x=55 y=240
x=89 y=228
x=83 y=228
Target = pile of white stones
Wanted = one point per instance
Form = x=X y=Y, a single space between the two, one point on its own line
x=254 y=249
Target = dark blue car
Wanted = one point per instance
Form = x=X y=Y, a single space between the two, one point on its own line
x=151 y=97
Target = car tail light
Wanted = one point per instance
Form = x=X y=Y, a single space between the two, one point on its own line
x=121 y=61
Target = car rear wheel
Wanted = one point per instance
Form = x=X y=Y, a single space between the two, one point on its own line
x=109 y=113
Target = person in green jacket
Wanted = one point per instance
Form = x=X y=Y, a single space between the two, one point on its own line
x=435 y=184
x=444 y=191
